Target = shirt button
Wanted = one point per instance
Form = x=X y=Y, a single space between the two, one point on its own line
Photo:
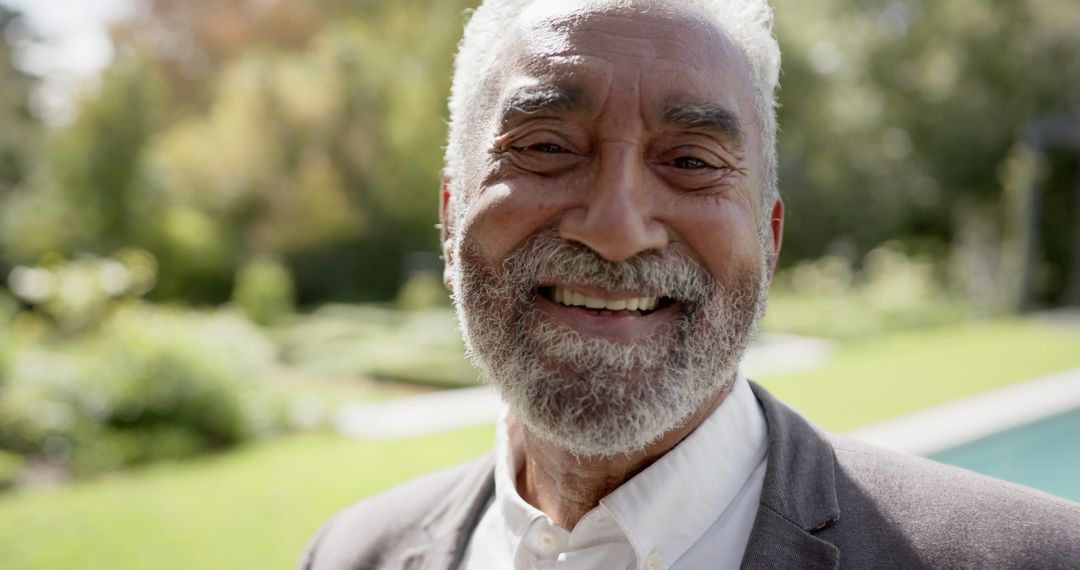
x=653 y=562
x=548 y=541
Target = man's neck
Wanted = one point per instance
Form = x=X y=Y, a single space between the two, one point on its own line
x=566 y=487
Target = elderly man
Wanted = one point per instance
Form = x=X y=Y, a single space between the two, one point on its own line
x=611 y=223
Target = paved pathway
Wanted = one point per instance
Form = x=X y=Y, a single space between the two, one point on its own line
x=954 y=423
x=450 y=409
x=924 y=432
x=1068 y=316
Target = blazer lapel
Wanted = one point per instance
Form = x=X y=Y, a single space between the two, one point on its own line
x=798 y=497
x=450 y=524
x=776 y=543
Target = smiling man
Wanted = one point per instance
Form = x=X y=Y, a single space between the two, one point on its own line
x=611 y=224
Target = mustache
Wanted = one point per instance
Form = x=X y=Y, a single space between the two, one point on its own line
x=545 y=257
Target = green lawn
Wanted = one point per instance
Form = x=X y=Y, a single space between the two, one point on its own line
x=255 y=508
x=903 y=372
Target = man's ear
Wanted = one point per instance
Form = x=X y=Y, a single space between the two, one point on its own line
x=446 y=229
x=776 y=232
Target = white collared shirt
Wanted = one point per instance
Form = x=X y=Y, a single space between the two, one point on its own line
x=692 y=508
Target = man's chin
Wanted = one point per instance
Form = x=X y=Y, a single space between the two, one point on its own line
x=598 y=413
x=590 y=438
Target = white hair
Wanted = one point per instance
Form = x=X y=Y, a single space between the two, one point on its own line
x=747 y=22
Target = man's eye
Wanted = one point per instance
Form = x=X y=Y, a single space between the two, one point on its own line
x=689 y=163
x=547 y=148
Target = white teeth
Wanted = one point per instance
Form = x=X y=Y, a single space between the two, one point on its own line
x=575 y=299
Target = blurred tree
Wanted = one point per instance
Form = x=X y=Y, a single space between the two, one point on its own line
x=898 y=113
x=311 y=142
x=192 y=41
x=19 y=129
x=312 y=133
x=326 y=155
x=85 y=198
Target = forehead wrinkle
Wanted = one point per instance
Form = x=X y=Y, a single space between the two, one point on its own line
x=698 y=46
x=621 y=44
x=554 y=53
x=590 y=18
x=650 y=30
x=625 y=45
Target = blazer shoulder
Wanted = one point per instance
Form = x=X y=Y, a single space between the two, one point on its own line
x=952 y=516
x=378 y=529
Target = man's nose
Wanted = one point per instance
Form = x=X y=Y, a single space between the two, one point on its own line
x=615 y=217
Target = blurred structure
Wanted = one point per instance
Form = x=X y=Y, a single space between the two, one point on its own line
x=1044 y=211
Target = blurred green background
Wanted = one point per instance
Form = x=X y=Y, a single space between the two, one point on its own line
x=223 y=229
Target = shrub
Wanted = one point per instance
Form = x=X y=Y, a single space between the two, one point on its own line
x=7 y=311
x=265 y=291
x=892 y=290
x=150 y=384
x=424 y=290
x=76 y=294
x=185 y=369
x=421 y=347
x=11 y=465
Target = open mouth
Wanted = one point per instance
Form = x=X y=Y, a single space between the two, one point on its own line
x=633 y=306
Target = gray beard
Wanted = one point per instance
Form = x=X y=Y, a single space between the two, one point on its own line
x=589 y=395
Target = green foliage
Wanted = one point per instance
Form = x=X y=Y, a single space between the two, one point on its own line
x=323 y=145
x=264 y=290
x=20 y=131
x=892 y=291
x=895 y=127
x=20 y=135
x=150 y=384
x=86 y=198
x=76 y=294
x=424 y=290
x=332 y=147
x=7 y=313
x=422 y=347
x=11 y=466
x=312 y=133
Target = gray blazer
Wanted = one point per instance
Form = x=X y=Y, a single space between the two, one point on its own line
x=827 y=502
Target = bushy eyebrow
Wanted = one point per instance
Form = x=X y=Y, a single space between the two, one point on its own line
x=704 y=117
x=539 y=99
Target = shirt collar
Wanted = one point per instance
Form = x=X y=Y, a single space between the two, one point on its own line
x=693 y=484
x=517 y=514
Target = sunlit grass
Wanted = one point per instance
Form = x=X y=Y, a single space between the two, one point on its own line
x=253 y=508
x=256 y=507
x=904 y=372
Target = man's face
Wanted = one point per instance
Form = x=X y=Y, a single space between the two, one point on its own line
x=613 y=257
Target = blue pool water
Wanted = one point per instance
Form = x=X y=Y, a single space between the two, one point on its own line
x=1043 y=454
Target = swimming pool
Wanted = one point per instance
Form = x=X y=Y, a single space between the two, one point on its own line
x=1044 y=454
